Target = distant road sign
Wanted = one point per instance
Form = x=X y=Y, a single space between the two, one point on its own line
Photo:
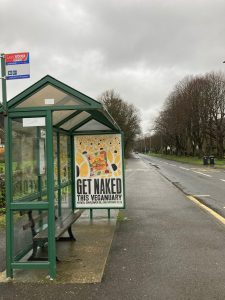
x=17 y=65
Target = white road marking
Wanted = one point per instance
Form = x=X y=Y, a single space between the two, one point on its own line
x=184 y=169
x=202 y=174
x=172 y=165
x=201 y=195
x=131 y=170
x=222 y=180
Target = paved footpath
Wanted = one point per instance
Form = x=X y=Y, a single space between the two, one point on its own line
x=165 y=247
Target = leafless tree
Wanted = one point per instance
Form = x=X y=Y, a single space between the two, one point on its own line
x=126 y=115
x=193 y=116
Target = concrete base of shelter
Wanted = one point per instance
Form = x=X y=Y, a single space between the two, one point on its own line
x=82 y=261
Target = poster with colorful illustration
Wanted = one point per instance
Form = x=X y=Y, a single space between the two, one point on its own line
x=99 y=171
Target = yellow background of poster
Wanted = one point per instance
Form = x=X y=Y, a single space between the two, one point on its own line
x=98 y=156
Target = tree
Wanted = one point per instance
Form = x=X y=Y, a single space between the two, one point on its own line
x=126 y=116
x=216 y=94
x=193 y=116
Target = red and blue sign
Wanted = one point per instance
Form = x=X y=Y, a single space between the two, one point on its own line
x=17 y=65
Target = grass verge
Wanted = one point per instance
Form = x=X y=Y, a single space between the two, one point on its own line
x=188 y=159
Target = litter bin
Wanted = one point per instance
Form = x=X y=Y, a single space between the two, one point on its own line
x=205 y=160
x=212 y=160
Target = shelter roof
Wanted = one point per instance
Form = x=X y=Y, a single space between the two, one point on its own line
x=72 y=110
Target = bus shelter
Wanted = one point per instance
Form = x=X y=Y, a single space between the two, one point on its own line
x=63 y=152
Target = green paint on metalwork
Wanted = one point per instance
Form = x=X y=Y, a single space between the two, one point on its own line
x=31 y=265
x=73 y=166
x=50 y=195
x=123 y=168
x=59 y=175
x=9 y=217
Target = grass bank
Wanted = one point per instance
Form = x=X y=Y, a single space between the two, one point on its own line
x=188 y=159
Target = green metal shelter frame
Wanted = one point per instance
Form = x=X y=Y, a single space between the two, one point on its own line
x=59 y=112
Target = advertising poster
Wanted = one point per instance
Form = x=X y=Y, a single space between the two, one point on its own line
x=99 y=171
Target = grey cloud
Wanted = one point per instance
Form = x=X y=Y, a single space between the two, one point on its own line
x=140 y=48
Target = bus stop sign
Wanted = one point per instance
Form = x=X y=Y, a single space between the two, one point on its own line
x=17 y=65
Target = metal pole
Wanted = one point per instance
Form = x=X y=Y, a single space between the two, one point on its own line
x=3 y=77
x=150 y=143
x=8 y=184
x=59 y=175
x=73 y=166
x=50 y=194
x=8 y=174
x=91 y=213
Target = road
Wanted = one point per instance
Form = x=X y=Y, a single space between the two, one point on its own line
x=206 y=183
x=165 y=248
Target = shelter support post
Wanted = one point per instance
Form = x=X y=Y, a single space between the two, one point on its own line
x=73 y=166
x=9 y=212
x=50 y=196
x=59 y=175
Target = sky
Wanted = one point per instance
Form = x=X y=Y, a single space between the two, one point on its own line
x=139 y=48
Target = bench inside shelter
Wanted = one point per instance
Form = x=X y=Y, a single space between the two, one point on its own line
x=40 y=235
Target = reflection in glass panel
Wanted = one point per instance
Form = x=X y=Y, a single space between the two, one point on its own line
x=55 y=156
x=65 y=158
x=66 y=200
x=56 y=199
x=75 y=121
x=49 y=96
x=28 y=159
x=42 y=174
x=60 y=115
x=2 y=155
x=23 y=232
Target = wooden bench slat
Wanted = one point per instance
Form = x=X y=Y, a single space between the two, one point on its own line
x=60 y=226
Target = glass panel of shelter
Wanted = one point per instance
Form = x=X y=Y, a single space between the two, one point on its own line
x=28 y=158
x=93 y=125
x=28 y=166
x=60 y=115
x=75 y=120
x=49 y=96
x=23 y=233
x=65 y=175
x=29 y=177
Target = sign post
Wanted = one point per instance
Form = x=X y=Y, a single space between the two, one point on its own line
x=13 y=66
x=3 y=77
